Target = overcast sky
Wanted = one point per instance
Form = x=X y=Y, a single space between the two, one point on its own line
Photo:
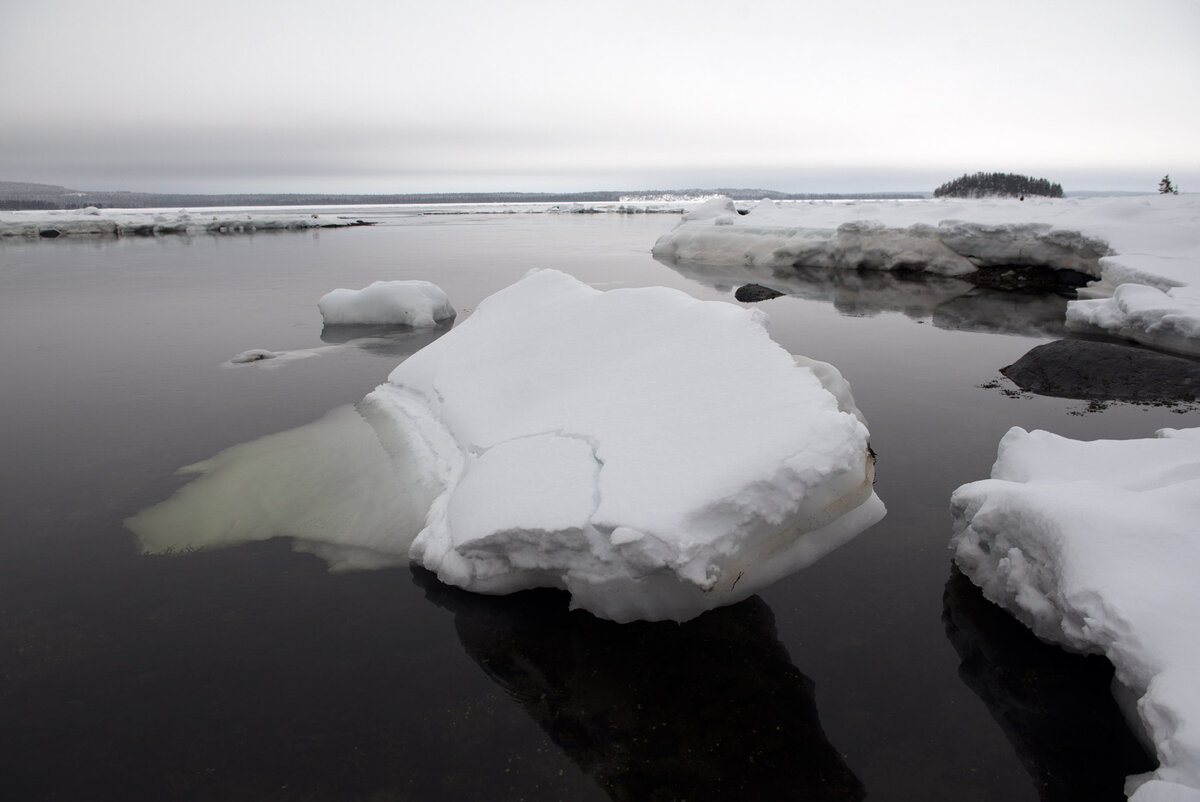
x=457 y=95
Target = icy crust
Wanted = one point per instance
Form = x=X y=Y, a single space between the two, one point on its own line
x=1151 y=241
x=1096 y=546
x=407 y=303
x=93 y=222
x=654 y=455
x=1169 y=321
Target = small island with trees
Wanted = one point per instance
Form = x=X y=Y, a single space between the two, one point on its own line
x=982 y=185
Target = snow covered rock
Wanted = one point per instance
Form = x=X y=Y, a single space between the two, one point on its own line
x=654 y=455
x=1096 y=546
x=403 y=303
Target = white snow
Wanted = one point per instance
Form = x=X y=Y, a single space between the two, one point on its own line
x=654 y=455
x=1096 y=546
x=92 y=222
x=408 y=303
x=1152 y=241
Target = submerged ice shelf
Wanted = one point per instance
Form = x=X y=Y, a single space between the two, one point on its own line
x=1095 y=546
x=653 y=455
x=1143 y=253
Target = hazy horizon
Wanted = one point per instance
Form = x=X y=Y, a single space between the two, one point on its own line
x=404 y=97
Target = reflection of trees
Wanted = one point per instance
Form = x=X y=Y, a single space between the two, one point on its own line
x=709 y=709
x=1056 y=708
x=951 y=303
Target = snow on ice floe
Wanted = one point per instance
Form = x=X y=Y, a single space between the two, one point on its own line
x=1096 y=546
x=654 y=455
x=1149 y=241
x=93 y=222
x=404 y=303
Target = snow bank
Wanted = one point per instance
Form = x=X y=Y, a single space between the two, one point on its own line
x=93 y=222
x=407 y=303
x=1152 y=241
x=654 y=455
x=1096 y=546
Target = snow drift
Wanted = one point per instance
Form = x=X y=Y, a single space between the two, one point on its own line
x=1095 y=546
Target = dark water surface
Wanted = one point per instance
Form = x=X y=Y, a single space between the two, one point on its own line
x=252 y=672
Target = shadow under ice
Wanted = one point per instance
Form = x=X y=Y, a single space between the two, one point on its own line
x=1056 y=708
x=709 y=709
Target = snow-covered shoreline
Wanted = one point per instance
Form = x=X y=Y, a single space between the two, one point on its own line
x=1143 y=252
x=93 y=222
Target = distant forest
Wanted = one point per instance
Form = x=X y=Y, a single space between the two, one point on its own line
x=17 y=196
x=982 y=185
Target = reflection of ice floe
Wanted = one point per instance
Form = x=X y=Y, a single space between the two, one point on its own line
x=1056 y=708
x=950 y=303
x=653 y=454
x=1094 y=546
x=415 y=303
x=711 y=709
x=385 y=340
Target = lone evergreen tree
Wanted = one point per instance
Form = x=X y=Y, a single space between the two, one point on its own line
x=1165 y=187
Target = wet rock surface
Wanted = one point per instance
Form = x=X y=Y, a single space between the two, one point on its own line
x=1088 y=369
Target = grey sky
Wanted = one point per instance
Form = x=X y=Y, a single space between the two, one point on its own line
x=398 y=96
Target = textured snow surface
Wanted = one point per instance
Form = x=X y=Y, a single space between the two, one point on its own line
x=652 y=454
x=1096 y=546
x=1149 y=241
x=407 y=303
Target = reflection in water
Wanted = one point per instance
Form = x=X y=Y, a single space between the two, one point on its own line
x=1056 y=708
x=709 y=709
x=950 y=302
x=386 y=340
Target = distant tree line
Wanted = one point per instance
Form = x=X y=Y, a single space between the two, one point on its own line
x=984 y=184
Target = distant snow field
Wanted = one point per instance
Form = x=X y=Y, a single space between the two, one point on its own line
x=93 y=222
x=1143 y=252
x=1096 y=546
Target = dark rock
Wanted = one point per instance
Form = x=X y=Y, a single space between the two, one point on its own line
x=49 y=233
x=752 y=293
x=1088 y=369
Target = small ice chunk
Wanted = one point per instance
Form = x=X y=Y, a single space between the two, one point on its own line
x=402 y=303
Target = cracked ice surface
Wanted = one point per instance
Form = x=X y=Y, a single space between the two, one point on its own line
x=654 y=455
x=1095 y=546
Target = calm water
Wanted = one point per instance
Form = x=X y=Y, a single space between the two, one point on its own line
x=254 y=673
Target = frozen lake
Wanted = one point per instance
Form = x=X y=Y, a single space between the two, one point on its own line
x=252 y=672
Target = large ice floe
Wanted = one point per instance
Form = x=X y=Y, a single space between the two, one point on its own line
x=652 y=454
x=413 y=303
x=1096 y=546
x=1142 y=253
